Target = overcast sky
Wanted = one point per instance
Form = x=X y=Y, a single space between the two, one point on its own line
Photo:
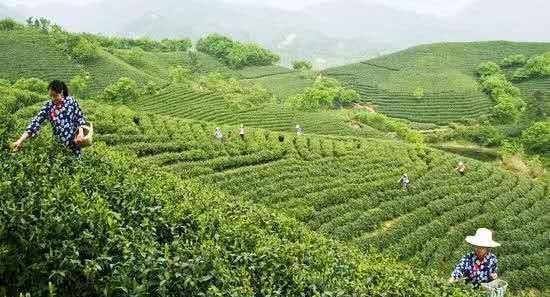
x=437 y=7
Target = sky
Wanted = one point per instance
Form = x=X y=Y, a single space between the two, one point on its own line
x=435 y=7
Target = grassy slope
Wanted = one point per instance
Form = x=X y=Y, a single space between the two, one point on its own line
x=30 y=54
x=175 y=229
x=26 y=54
x=445 y=72
x=185 y=103
x=347 y=189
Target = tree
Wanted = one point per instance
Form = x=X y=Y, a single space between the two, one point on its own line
x=488 y=68
x=151 y=88
x=175 y=45
x=84 y=51
x=537 y=137
x=302 y=65
x=538 y=105
x=29 y=21
x=193 y=61
x=180 y=75
x=44 y=24
x=123 y=91
x=9 y=24
x=215 y=45
x=514 y=60
x=135 y=56
x=325 y=93
x=505 y=113
x=79 y=84
x=235 y=54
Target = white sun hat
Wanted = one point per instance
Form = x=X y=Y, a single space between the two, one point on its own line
x=483 y=238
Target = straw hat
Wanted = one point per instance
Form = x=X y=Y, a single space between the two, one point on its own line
x=483 y=238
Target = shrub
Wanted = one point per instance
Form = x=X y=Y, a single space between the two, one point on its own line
x=181 y=75
x=135 y=56
x=488 y=68
x=9 y=24
x=238 y=95
x=386 y=124
x=509 y=104
x=79 y=84
x=31 y=84
x=84 y=51
x=513 y=60
x=235 y=54
x=325 y=93
x=151 y=88
x=175 y=45
x=535 y=67
x=505 y=112
x=537 y=137
x=302 y=65
x=123 y=91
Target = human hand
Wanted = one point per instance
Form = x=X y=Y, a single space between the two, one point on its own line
x=16 y=146
x=494 y=276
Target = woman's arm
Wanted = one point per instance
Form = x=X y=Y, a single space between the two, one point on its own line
x=33 y=128
x=459 y=271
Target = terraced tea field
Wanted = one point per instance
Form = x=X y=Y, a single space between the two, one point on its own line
x=418 y=83
x=347 y=189
x=188 y=104
x=19 y=58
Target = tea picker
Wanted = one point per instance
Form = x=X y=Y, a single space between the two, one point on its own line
x=480 y=267
x=67 y=119
x=299 y=130
x=218 y=134
x=241 y=132
x=405 y=182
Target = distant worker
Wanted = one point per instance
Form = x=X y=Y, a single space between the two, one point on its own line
x=218 y=134
x=241 y=132
x=479 y=266
x=299 y=130
x=461 y=168
x=405 y=182
x=65 y=116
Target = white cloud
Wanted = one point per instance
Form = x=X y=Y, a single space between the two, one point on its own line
x=39 y=2
x=437 y=7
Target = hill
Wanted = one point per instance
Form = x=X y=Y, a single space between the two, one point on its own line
x=112 y=224
x=162 y=207
x=430 y=83
x=346 y=188
x=186 y=103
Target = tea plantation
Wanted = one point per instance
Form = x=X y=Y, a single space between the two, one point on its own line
x=430 y=83
x=158 y=206
x=110 y=224
x=347 y=189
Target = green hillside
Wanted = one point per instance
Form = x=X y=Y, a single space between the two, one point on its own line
x=25 y=54
x=128 y=228
x=346 y=188
x=158 y=207
x=185 y=103
x=430 y=83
